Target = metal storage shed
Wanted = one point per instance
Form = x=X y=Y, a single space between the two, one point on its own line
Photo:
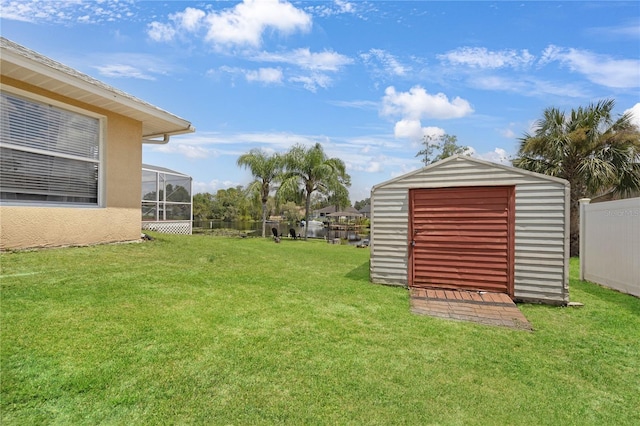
x=468 y=224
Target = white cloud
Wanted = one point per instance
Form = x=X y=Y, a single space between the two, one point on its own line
x=635 y=112
x=382 y=62
x=187 y=150
x=403 y=169
x=508 y=133
x=358 y=104
x=413 y=130
x=161 y=32
x=261 y=75
x=417 y=103
x=338 y=7
x=212 y=186
x=65 y=11
x=528 y=86
x=344 y=6
x=374 y=167
x=245 y=24
x=498 y=155
x=629 y=30
x=190 y=20
x=313 y=81
x=305 y=59
x=480 y=57
x=123 y=71
x=265 y=75
x=599 y=69
x=316 y=64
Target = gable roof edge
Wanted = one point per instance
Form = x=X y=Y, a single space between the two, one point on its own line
x=472 y=160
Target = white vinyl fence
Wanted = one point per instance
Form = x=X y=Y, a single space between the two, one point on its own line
x=610 y=244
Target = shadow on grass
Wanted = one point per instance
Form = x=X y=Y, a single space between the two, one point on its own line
x=361 y=273
x=609 y=295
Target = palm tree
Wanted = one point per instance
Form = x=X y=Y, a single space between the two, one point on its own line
x=311 y=169
x=588 y=148
x=265 y=169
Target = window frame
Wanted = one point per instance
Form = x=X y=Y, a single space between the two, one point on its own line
x=102 y=125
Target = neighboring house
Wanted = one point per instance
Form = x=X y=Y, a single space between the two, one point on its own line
x=366 y=211
x=70 y=153
x=167 y=200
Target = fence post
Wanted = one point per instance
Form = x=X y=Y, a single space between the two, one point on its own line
x=583 y=235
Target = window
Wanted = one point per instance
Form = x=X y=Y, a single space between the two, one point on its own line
x=47 y=154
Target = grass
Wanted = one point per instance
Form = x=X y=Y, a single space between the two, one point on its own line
x=207 y=330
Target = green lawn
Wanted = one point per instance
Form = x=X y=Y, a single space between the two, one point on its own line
x=209 y=330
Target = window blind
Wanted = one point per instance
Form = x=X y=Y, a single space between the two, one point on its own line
x=47 y=154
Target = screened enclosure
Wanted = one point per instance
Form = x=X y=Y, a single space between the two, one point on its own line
x=166 y=200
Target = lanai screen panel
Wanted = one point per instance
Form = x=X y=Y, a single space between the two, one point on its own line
x=462 y=238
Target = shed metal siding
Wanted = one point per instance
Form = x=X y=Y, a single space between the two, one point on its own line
x=541 y=224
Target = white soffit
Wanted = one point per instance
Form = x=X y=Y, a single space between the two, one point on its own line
x=22 y=64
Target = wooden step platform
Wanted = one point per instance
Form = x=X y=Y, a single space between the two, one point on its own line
x=482 y=307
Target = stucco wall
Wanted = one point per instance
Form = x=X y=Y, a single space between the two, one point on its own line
x=117 y=218
x=123 y=163
x=30 y=227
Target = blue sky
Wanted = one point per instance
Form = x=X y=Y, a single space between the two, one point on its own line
x=367 y=79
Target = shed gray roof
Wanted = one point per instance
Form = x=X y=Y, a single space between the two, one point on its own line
x=25 y=65
x=466 y=158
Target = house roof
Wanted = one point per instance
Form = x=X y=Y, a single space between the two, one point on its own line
x=345 y=214
x=25 y=65
x=162 y=170
x=366 y=209
x=466 y=158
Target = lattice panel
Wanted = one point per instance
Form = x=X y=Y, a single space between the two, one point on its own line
x=183 y=228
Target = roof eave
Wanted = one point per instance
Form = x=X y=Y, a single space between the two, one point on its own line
x=12 y=53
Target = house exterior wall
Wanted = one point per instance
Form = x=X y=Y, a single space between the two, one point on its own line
x=118 y=216
x=541 y=224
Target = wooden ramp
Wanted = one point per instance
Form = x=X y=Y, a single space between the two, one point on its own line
x=482 y=307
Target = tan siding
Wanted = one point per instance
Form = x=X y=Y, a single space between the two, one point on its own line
x=541 y=224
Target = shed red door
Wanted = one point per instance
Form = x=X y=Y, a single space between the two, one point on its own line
x=462 y=238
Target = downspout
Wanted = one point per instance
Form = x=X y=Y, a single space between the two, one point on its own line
x=163 y=141
x=166 y=136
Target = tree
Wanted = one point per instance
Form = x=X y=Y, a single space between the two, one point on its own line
x=265 y=169
x=359 y=205
x=446 y=144
x=202 y=206
x=230 y=204
x=290 y=211
x=588 y=148
x=311 y=170
x=338 y=196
